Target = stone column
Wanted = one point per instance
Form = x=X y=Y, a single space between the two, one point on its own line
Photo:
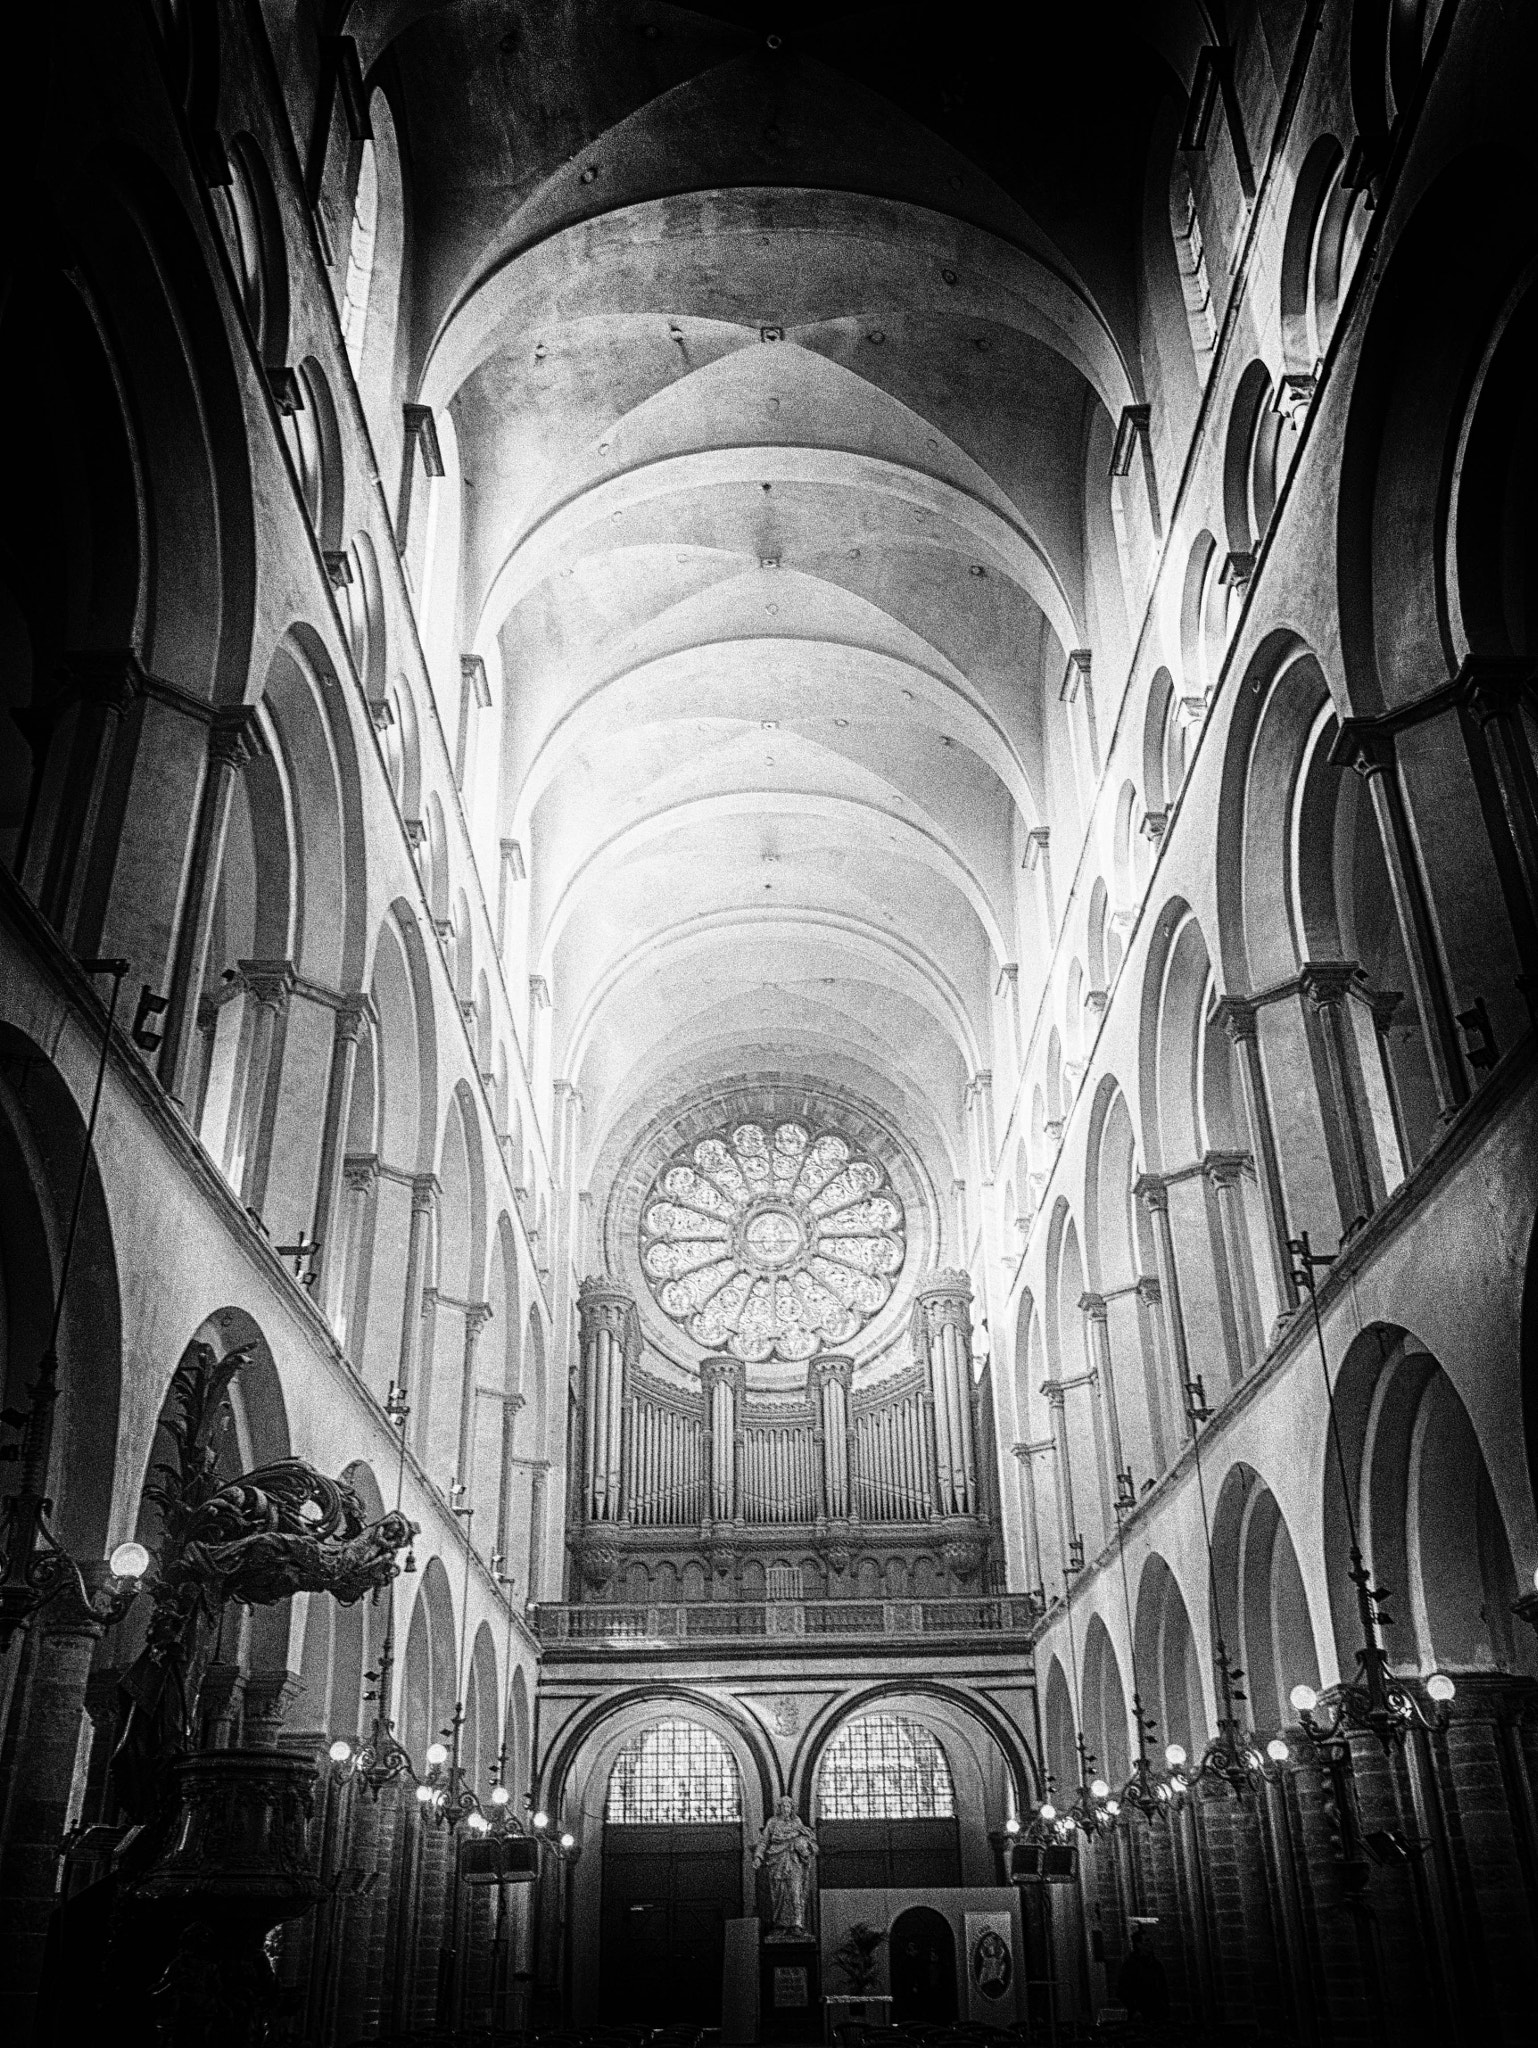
x=347 y=1273
x=49 y=1715
x=1237 y=1017
x=477 y=1316
x=943 y=1325
x=537 y=1481
x=1224 y=1172
x=326 y=1228
x=425 y=1190
x=1327 y=988
x=1025 y=1453
x=269 y=985
x=1057 y=1403
x=609 y=1334
x=1151 y=1189
x=1156 y=1369
x=229 y=749
x=1371 y=754
x=1097 y=1342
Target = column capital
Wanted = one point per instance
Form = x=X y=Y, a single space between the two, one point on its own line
x=425 y=1190
x=1152 y=825
x=1364 y=745
x=1327 y=983
x=1038 y=845
x=1239 y=1017
x=472 y=670
x=233 y=737
x=1223 y=1169
x=1384 y=1004
x=477 y=1315
x=1147 y=1289
x=1493 y=686
x=1009 y=977
x=111 y=677
x=270 y=981
x=1036 y=1450
x=1152 y=1189
x=720 y=1371
x=1094 y=1307
x=360 y=1170
x=1131 y=428
x=1056 y=1394
x=352 y=1013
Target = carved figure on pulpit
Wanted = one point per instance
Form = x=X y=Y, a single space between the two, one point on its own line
x=787 y=1850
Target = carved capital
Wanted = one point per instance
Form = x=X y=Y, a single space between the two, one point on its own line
x=1326 y=984
x=360 y=1170
x=1490 y=686
x=1224 y=1169
x=1094 y=1307
x=352 y=1013
x=110 y=678
x=1056 y=1395
x=233 y=739
x=270 y=981
x=1150 y=1188
x=1239 y=1018
x=1148 y=1290
x=425 y=1190
x=1152 y=825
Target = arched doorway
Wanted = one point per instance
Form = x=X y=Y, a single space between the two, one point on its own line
x=923 y=1967
x=672 y=1873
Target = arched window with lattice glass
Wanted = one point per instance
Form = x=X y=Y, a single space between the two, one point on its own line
x=885 y=1767
x=670 y=1773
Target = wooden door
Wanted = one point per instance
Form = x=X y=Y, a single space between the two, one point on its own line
x=667 y=1895
x=923 y=1966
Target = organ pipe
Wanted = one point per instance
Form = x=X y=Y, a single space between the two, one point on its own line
x=942 y=1327
x=610 y=1341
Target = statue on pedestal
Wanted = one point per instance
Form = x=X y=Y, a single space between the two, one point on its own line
x=787 y=1849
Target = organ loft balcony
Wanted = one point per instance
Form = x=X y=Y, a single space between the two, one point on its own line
x=984 y=1624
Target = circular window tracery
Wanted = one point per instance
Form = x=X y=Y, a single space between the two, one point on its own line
x=771 y=1243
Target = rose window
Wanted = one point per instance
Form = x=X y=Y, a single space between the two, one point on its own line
x=771 y=1243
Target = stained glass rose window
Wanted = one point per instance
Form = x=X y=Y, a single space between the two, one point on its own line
x=771 y=1243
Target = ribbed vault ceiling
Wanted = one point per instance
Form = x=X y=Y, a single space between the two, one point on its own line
x=774 y=371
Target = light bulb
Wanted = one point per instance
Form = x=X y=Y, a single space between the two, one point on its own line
x=339 y=1752
x=1277 y=1750
x=424 y=1794
x=1304 y=1698
x=1174 y=1756
x=1049 y=1811
x=1100 y=1789
x=568 y=1841
x=437 y=1754
x=129 y=1561
x=500 y=1795
x=479 y=1823
x=1440 y=1686
x=1113 y=1807
x=542 y=1820
x=1011 y=1827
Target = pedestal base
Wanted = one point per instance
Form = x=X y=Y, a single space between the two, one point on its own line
x=790 y=2005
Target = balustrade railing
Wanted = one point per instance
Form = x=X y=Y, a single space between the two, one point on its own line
x=668 y=1623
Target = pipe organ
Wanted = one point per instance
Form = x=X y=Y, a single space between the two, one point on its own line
x=671 y=1471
